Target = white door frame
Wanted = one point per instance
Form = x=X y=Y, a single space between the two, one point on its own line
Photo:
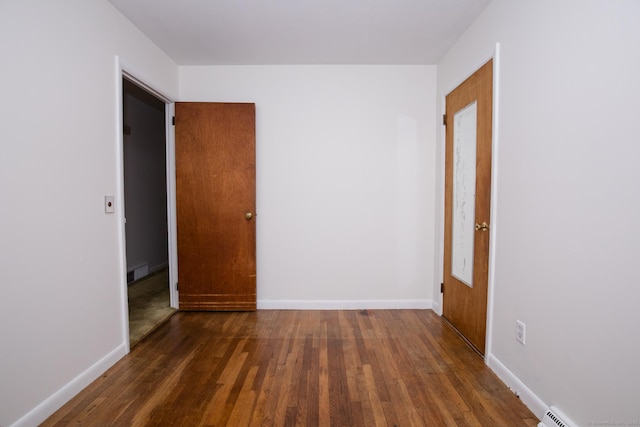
x=124 y=70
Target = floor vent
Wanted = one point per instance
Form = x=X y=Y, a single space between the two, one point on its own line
x=138 y=272
x=554 y=418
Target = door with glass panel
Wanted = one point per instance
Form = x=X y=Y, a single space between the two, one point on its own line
x=467 y=205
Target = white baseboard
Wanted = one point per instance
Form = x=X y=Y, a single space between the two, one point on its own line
x=158 y=267
x=437 y=308
x=343 y=304
x=530 y=399
x=54 y=402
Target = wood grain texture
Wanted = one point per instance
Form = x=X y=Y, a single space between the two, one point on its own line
x=463 y=306
x=215 y=188
x=304 y=368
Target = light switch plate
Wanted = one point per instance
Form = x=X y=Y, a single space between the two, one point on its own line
x=520 y=332
x=109 y=204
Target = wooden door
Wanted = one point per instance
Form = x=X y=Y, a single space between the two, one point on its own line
x=467 y=205
x=215 y=198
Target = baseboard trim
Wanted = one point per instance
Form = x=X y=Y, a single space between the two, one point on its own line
x=528 y=397
x=158 y=267
x=343 y=304
x=54 y=402
x=437 y=308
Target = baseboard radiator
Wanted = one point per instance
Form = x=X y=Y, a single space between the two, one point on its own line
x=138 y=272
x=554 y=418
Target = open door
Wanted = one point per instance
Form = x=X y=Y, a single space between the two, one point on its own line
x=215 y=200
x=468 y=123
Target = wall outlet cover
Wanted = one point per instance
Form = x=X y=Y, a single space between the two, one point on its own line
x=520 y=332
x=109 y=202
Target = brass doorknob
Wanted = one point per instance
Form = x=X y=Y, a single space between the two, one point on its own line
x=248 y=215
x=482 y=227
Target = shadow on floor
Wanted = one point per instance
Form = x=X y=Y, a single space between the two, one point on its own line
x=148 y=305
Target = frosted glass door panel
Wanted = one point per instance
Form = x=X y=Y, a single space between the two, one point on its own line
x=464 y=193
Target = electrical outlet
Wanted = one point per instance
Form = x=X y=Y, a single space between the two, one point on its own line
x=520 y=332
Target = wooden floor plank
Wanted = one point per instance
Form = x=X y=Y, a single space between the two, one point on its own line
x=305 y=368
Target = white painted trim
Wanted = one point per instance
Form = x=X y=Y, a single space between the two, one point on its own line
x=129 y=71
x=439 y=216
x=171 y=205
x=54 y=402
x=122 y=242
x=528 y=397
x=437 y=308
x=125 y=70
x=344 y=304
x=494 y=198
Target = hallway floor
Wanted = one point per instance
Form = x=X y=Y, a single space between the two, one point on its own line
x=148 y=305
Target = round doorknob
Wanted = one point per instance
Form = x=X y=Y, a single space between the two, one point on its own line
x=248 y=215
x=482 y=227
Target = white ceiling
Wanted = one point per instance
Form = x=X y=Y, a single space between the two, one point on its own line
x=242 y=32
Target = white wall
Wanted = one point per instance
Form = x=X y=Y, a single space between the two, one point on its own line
x=61 y=281
x=345 y=180
x=567 y=239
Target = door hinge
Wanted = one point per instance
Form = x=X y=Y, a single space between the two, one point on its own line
x=441 y=288
x=173 y=120
x=444 y=120
x=177 y=286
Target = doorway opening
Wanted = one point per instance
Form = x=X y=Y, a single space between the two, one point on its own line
x=145 y=210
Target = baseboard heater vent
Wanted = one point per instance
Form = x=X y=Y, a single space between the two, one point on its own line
x=554 y=418
x=137 y=272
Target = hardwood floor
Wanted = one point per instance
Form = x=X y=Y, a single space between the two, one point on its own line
x=306 y=368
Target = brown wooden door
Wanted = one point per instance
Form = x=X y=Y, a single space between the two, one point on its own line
x=215 y=201
x=467 y=205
